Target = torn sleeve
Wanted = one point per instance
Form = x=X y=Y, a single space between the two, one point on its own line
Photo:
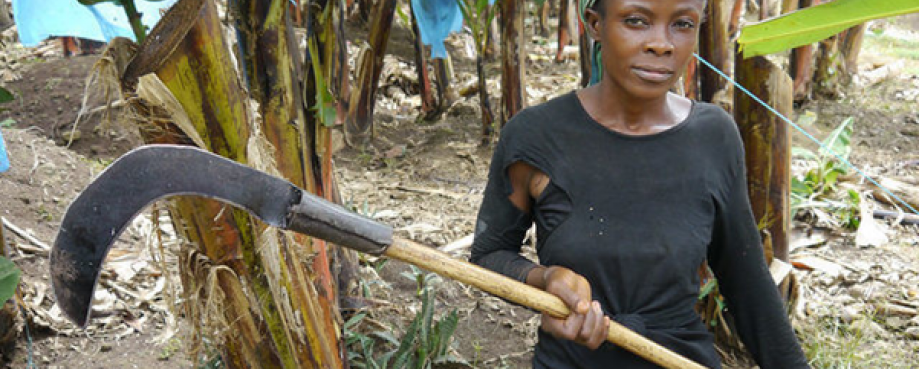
x=501 y=226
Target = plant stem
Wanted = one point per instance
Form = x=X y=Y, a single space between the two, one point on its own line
x=134 y=17
x=484 y=104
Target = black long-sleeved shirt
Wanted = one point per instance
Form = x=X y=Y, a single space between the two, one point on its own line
x=637 y=216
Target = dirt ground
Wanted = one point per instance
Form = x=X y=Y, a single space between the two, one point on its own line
x=425 y=179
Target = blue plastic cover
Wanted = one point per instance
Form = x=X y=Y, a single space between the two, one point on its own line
x=4 y=160
x=437 y=19
x=37 y=20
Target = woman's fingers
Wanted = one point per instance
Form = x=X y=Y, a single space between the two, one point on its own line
x=586 y=329
x=591 y=320
x=566 y=328
x=596 y=325
x=586 y=324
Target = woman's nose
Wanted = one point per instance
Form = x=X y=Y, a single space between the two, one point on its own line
x=659 y=43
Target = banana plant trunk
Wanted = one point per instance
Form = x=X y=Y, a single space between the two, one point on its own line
x=714 y=46
x=829 y=67
x=691 y=80
x=512 y=52
x=324 y=80
x=251 y=291
x=736 y=13
x=764 y=6
x=359 y=124
x=850 y=48
x=273 y=71
x=564 y=29
x=446 y=94
x=484 y=104
x=542 y=10
x=801 y=60
x=768 y=148
x=428 y=108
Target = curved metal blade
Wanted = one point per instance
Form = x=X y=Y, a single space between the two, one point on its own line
x=100 y=213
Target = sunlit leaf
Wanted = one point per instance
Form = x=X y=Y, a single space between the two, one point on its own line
x=9 y=279
x=402 y=16
x=325 y=103
x=839 y=141
x=5 y=95
x=707 y=288
x=799 y=187
x=816 y=23
x=480 y=7
x=354 y=320
x=807 y=119
x=800 y=152
x=492 y=14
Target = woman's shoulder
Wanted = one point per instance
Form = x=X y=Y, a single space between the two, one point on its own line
x=713 y=114
x=715 y=123
x=538 y=129
x=541 y=117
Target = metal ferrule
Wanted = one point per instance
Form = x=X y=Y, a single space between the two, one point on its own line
x=319 y=218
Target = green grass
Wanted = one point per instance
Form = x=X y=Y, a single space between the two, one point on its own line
x=902 y=48
x=829 y=343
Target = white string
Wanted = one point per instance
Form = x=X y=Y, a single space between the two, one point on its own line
x=808 y=135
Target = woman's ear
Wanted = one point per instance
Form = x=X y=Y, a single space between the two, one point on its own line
x=592 y=21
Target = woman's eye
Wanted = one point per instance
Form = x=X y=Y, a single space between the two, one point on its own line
x=635 y=21
x=685 y=24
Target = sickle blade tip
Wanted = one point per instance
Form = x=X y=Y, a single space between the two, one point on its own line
x=73 y=280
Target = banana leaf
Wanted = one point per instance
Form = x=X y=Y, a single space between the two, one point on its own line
x=9 y=279
x=816 y=23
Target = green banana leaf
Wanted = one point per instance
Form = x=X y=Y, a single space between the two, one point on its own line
x=9 y=279
x=5 y=95
x=816 y=23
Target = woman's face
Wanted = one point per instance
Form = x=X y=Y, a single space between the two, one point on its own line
x=645 y=44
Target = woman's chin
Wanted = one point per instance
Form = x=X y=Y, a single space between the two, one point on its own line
x=646 y=92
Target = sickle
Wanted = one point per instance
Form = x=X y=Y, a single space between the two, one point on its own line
x=101 y=212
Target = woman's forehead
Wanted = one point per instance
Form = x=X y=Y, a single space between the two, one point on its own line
x=650 y=4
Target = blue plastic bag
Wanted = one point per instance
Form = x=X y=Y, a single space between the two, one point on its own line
x=37 y=20
x=437 y=19
x=4 y=160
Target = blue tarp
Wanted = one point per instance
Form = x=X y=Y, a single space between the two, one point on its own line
x=4 y=160
x=37 y=20
x=437 y=19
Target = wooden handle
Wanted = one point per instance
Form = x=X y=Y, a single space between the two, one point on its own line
x=526 y=295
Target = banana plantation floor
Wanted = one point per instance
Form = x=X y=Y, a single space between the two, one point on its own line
x=859 y=297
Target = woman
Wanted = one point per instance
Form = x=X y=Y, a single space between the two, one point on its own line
x=632 y=188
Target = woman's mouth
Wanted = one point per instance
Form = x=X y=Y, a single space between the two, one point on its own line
x=652 y=74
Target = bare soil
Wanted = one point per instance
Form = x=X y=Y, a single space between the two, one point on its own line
x=425 y=179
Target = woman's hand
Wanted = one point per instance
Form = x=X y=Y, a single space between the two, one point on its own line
x=587 y=325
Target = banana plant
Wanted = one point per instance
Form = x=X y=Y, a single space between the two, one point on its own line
x=816 y=23
x=817 y=188
x=478 y=15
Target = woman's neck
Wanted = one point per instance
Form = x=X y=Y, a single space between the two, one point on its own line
x=630 y=115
